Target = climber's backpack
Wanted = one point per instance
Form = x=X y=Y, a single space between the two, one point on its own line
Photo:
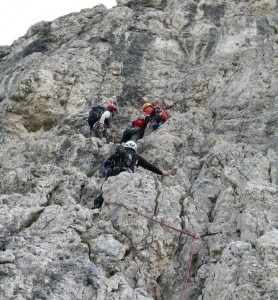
x=95 y=114
x=160 y=109
x=126 y=157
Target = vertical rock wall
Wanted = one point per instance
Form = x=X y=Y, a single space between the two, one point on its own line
x=214 y=66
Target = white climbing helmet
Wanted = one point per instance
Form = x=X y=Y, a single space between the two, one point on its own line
x=131 y=144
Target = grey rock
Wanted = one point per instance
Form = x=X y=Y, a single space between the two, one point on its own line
x=213 y=64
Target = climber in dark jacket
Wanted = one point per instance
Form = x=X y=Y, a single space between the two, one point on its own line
x=126 y=159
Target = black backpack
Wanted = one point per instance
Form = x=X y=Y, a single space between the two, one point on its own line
x=95 y=115
x=127 y=158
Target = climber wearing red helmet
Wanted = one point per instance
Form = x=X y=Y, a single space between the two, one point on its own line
x=112 y=107
x=134 y=132
x=103 y=122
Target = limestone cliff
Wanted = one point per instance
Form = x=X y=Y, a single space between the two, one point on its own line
x=214 y=66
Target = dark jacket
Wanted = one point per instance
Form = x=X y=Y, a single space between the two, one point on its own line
x=133 y=134
x=127 y=161
x=142 y=162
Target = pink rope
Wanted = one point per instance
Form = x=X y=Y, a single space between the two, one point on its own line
x=189 y=266
x=149 y=217
x=194 y=236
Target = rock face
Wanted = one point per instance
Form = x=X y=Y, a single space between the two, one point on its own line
x=214 y=66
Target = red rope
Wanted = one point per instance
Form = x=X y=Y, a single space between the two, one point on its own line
x=189 y=266
x=149 y=217
x=194 y=236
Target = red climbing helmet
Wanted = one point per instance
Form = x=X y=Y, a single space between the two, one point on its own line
x=112 y=107
x=138 y=123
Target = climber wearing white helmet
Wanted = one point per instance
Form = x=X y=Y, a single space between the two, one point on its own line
x=125 y=159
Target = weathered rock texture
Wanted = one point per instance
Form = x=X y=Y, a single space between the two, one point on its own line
x=214 y=65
